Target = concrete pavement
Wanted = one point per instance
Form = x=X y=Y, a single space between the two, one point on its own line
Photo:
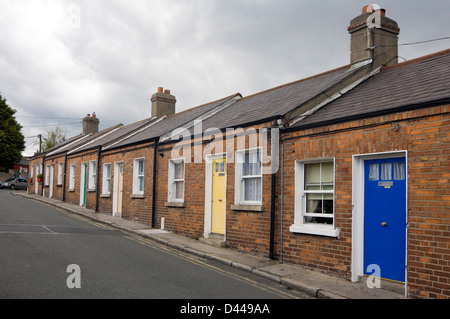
x=313 y=283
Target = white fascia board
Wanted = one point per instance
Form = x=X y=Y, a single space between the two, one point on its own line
x=202 y=117
x=94 y=140
x=135 y=132
x=334 y=96
x=68 y=145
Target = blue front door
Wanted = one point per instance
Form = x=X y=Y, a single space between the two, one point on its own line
x=385 y=217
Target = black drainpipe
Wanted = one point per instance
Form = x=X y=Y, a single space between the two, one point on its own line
x=272 y=216
x=64 y=178
x=155 y=149
x=276 y=125
x=43 y=176
x=97 y=187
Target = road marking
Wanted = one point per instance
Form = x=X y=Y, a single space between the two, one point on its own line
x=194 y=260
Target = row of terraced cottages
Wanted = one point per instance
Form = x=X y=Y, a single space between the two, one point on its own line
x=345 y=172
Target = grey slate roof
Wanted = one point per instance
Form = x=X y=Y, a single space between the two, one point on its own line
x=82 y=140
x=275 y=102
x=171 y=122
x=114 y=135
x=403 y=85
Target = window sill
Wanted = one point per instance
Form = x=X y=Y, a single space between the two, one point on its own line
x=314 y=230
x=105 y=195
x=252 y=208
x=91 y=190
x=137 y=196
x=175 y=204
x=71 y=190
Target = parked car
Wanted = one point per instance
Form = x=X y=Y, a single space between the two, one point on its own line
x=15 y=183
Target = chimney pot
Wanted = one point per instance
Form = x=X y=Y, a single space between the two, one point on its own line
x=90 y=124
x=374 y=37
x=163 y=103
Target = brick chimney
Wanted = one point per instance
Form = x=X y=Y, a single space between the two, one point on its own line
x=90 y=124
x=373 y=36
x=163 y=103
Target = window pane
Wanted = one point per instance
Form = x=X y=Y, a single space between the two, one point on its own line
x=179 y=170
x=328 y=203
x=312 y=174
x=179 y=190
x=252 y=164
x=141 y=167
x=252 y=189
x=314 y=203
x=141 y=183
x=386 y=171
x=399 y=170
x=318 y=220
x=373 y=172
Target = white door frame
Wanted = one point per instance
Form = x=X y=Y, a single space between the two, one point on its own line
x=208 y=192
x=116 y=188
x=50 y=184
x=84 y=168
x=357 y=267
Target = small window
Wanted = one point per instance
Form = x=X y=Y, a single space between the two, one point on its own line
x=399 y=170
x=386 y=171
x=72 y=177
x=92 y=174
x=314 y=198
x=249 y=177
x=106 y=189
x=373 y=172
x=60 y=173
x=47 y=175
x=138 y=176
x=176 y=180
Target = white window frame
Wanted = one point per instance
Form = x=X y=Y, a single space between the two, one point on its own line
x=137 y=176
x=106 y=185
x=300 y=226
x=72 y=177
x=31 y=172
x=239 y=195
x=60 y=174
x=47 y=175
x=172 y=180
x=92 y=175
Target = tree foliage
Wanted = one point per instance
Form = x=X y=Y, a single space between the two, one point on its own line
x=12 y=141
x=53 y=137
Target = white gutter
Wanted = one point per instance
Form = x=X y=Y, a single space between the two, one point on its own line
x=66 y=146
x=95 y=139
x=135 y=132
x=202 y=117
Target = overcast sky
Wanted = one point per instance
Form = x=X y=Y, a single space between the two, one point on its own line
x=64 y=59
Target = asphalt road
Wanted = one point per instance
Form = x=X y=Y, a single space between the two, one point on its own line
x=48 y=253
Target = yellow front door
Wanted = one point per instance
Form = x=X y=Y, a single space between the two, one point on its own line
x=219 y=183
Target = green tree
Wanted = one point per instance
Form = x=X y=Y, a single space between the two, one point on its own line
x=12 y=141
x=54 y=137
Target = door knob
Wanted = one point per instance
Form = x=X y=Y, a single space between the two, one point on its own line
x=383 y=224
x=219 y=200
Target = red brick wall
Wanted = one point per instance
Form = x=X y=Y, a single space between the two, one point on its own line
x=425 y=135
x=133 y=207
x=245 y=230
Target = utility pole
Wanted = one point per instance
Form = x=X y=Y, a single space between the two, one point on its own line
x=40 y=142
